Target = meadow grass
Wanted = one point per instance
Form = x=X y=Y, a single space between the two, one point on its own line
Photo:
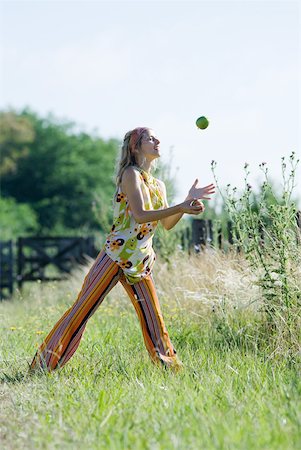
x=232 y=393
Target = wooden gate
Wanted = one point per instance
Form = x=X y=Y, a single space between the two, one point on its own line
x=51 y=258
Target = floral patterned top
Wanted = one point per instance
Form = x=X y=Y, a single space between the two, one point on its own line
x=129 y=243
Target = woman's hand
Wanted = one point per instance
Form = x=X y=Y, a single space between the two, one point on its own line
x=200 y=193
x=193 y=206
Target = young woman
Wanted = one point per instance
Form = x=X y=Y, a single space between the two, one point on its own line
x=127 y=256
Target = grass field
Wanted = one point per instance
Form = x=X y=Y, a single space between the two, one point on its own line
x=233 y=393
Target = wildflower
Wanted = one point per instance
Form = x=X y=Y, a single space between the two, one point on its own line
x=39 y=332
x=13 y=328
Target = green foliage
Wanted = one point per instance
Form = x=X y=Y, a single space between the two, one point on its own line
x=16 y=134
x=266 y=230
x=103 y=210
x=60 y=172
x=16 y=219
x=168 y=243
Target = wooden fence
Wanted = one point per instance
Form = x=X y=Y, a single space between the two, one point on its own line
x=49 y=258
x=41 y=258
x=206 y=232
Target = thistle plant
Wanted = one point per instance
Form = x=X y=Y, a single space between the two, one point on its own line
x=266 y=231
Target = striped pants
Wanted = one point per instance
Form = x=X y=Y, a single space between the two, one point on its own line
x=63 y=340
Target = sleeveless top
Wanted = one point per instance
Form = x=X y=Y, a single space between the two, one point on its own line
x=129 y=243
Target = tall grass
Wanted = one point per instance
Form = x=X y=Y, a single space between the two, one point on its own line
x=233 y=393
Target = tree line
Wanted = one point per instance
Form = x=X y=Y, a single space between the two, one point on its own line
x=53 y=176
x=58 y=180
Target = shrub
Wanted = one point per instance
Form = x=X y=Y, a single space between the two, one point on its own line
x=266 y=231
x=16 y=219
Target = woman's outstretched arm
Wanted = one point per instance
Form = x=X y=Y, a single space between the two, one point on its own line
x=194 y=193
x=131 y=186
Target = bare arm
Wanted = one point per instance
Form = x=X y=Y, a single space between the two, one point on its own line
x=194 y=193
x=131 y=186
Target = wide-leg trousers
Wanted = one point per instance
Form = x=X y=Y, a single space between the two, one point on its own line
x=63 y=340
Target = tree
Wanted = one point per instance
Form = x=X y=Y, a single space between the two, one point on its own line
x=16 y=219
x=60 y=173
x=16 y=133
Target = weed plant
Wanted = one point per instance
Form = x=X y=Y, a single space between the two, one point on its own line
x=266 y=232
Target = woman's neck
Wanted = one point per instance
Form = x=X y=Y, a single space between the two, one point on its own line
x=146 y=166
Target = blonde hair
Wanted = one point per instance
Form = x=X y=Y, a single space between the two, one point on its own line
x=127 y=156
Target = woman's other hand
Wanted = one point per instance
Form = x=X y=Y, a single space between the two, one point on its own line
x=193 y=206
x=203 y=193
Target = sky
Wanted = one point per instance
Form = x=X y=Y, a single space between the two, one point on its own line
x=111 y=66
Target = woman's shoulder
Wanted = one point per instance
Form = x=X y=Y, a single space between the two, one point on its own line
x=130 y=172
x=130 y=176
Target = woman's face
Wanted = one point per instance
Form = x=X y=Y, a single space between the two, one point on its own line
x=150 y=145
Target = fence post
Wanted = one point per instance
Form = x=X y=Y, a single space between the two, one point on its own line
x=220 y=237
x=230 y=232
x=6 y=268
x=19 y=262
x=298 y=219
x=202 y=233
